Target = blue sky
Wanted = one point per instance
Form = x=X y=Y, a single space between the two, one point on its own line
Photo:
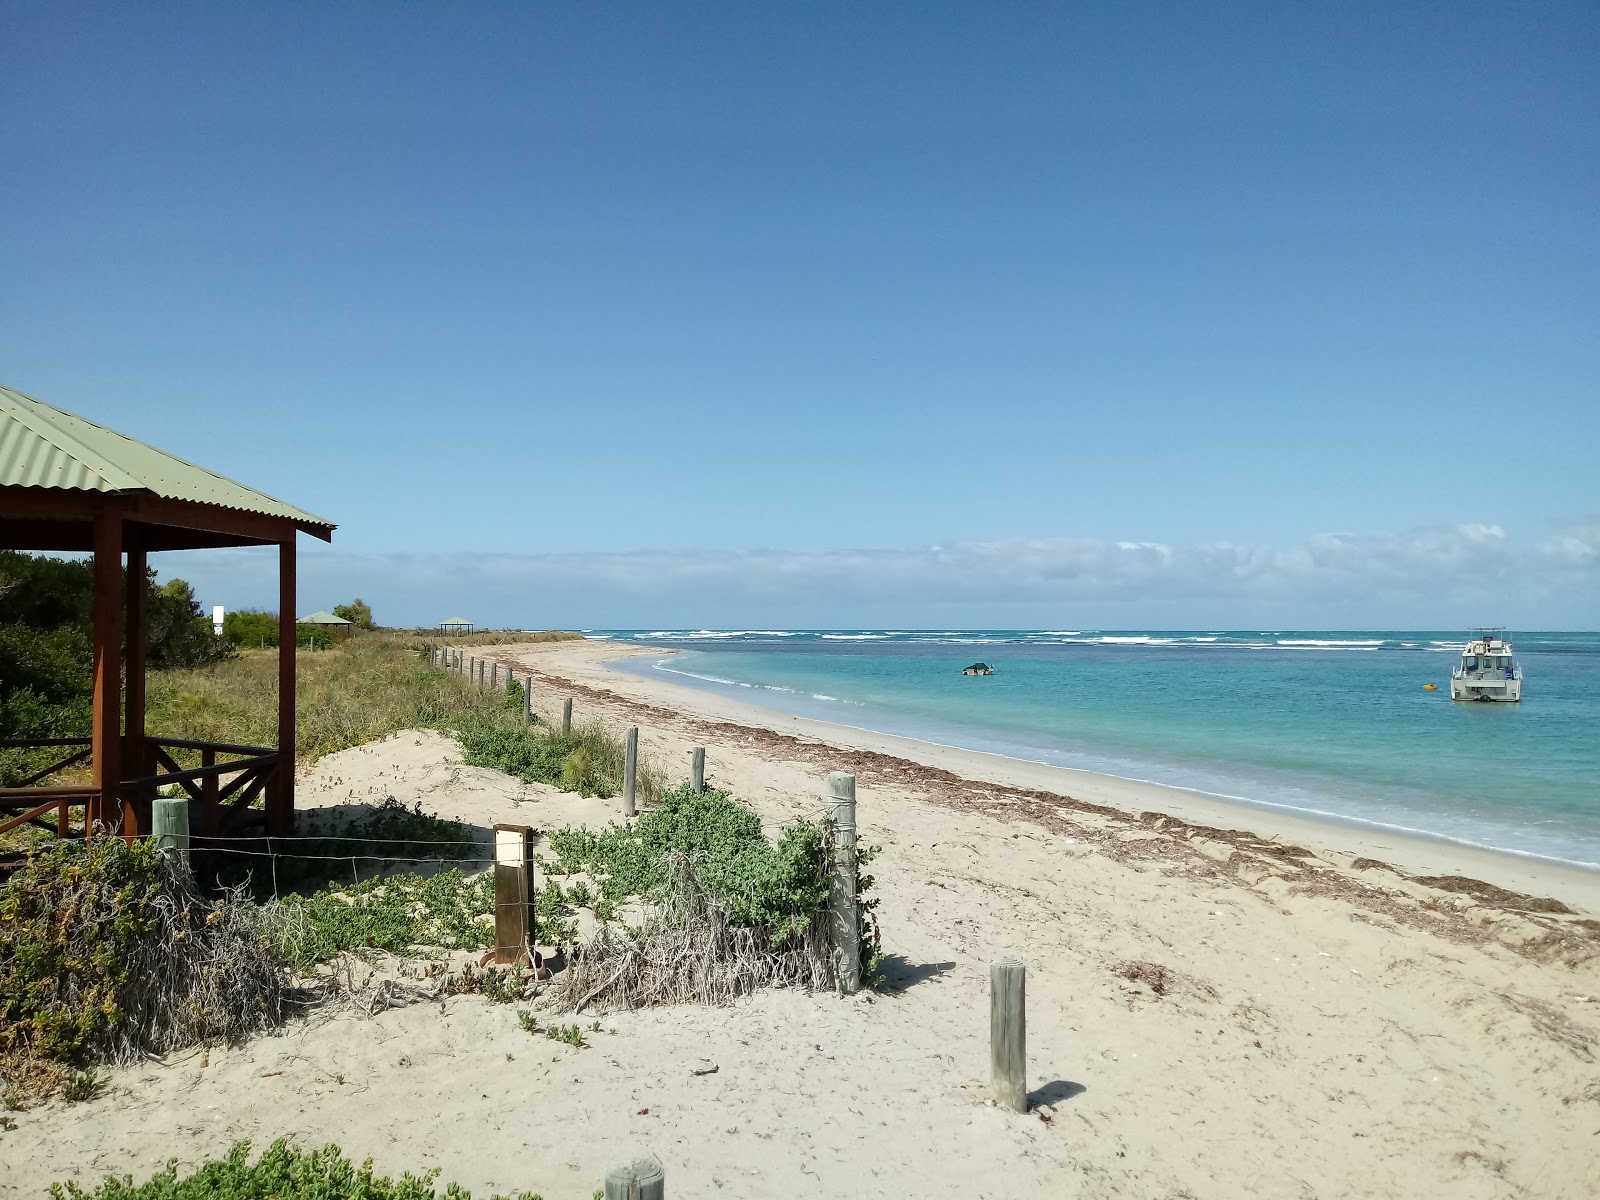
x=746 y=297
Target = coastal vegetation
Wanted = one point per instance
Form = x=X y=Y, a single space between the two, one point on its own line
x=282 y=1172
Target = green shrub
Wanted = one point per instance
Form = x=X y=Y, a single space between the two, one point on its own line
x=777 y=886
x=312 y=637
x=250 y=628
x=281 y=1173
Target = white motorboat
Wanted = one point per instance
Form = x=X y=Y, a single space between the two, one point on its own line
x=1488 y=669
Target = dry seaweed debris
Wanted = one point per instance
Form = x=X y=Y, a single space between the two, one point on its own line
x=1152 y=974
x=1099 y=825
x=688 y=953
x=1488 y=893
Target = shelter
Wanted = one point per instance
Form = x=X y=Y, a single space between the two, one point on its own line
x=67 y=484
x=455 y=625
x=337 y=626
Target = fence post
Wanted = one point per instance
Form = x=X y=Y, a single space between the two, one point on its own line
x=513 y=893
x=566 y=717
x=697 y=770
x=1008 y=1042
x=527 y=700
x=169 y=822
x=642 y=1180
x=842 y=900
x=630 y=769
x=494 y=674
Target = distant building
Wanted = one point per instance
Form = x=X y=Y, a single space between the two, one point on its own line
x=337 y=626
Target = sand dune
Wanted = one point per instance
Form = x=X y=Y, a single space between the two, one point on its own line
x=1222 y=1003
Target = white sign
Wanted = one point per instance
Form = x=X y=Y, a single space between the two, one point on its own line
x=216 y=617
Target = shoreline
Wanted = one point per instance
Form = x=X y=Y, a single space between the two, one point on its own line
x=1244 y=804
x=1416 y=852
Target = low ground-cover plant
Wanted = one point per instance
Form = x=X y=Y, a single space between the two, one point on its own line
x=109 y=951
x=281 y=1173
x=329 y=846
x=397 y=913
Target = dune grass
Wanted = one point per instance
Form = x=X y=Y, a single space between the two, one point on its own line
x=367 y=688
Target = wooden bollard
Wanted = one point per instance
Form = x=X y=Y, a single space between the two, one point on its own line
x=527 y=700
x=842 y=895
x=1008 y=1040
x=566 y=717
x=697 y=770
x=642 y=1180
x=513 y=894
x=169 y=825
x=630 y=769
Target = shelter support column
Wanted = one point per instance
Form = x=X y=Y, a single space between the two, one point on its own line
x=106 y=733
x=135 y=764
x=280 y=799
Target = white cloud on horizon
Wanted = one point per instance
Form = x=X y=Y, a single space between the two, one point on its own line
x=1434 y=577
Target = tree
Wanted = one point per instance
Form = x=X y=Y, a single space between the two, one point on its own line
x=180 y=635
x=358 y=612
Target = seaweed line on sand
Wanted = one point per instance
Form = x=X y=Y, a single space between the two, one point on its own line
x=1177 y=845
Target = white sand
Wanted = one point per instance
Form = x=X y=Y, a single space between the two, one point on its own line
x=1329 y=1031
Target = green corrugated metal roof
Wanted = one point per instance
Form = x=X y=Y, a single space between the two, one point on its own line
x=47 y=447
x=321 y=618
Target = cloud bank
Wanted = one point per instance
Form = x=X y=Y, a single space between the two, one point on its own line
x=1436 y=577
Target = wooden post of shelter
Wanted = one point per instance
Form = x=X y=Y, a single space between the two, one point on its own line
x=106 y=730
x=280 y=795
x=136 y=762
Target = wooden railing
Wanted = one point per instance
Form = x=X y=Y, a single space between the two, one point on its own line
x=225 y=803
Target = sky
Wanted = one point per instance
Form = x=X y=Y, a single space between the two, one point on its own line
x=732 y=315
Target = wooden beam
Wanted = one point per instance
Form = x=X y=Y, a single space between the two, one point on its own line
x=280 y=805
x=66 y=504
x=138 y=640
x=106 y=733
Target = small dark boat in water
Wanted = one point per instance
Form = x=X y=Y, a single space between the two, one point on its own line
x=979 y=669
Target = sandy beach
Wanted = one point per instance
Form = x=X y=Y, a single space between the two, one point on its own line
x=1222 y=1002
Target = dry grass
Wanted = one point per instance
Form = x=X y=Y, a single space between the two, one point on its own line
x=110 y=952
x=687 y=953
x=365 y=689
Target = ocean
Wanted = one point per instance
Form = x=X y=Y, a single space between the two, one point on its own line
x=1328 y=724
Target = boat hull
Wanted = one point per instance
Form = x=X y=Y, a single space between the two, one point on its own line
x=1500 y=691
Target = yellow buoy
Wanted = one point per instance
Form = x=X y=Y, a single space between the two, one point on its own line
x=1430 y=687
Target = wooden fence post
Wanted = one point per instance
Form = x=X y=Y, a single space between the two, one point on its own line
x=494 y=674
x=169 y=823
x=527 y=700
x=697 y=770
x=513 y=894
x=630 y=769
x=842 y=900
x=1008 y=1041
x=642 y=1180
x=566 y=717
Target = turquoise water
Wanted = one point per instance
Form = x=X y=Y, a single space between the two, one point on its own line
x=1333 y=724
